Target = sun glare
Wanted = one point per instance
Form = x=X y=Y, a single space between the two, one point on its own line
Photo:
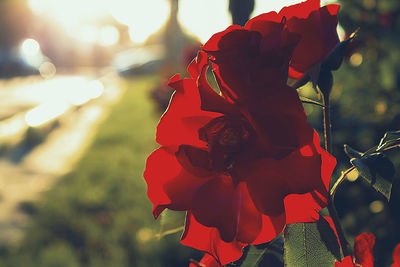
x=143 y=17
x=205 y=19
x=76 y=16
x=108 y=35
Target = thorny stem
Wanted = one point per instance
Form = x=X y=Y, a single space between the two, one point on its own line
x=340 y=180
x=328 y=147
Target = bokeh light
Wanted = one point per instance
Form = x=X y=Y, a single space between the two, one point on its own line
x=30 y=47
x=109 y=35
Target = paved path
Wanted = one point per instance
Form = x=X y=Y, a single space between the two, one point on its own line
x=37 y=171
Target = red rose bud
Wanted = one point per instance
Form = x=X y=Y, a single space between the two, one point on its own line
x=396 y=256
x=362 y=254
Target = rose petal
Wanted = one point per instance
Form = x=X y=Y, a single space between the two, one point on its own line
x=300 y=10
x=346 y=262
x=208 y=240
x=305 y=207
x=197 y=64
x=168 y=184
x=250 y=219
x=271 y=227
x=180 y=122
x=319 y=37
x=216 y=204
x=210 y=100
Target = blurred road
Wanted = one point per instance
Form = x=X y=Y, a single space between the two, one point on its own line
x=45 y=125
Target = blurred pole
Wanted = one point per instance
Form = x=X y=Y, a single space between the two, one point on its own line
x=240 y=11
x=173 y=34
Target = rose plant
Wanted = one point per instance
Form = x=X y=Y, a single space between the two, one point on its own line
x=243 y=162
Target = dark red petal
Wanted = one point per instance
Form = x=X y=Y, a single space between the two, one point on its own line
x=210 y=100
x=279 y=118
x=271 y=227
x=206 y=261
x=208 y=240
x=396 y=256
x=346 y=262
x=213 y=44
x=319 y=37
x=195 y=160
x=257 y=23
x=265 y=23
x=197 y=64
x=250 y=219
x=216 y=204
x=226 y=91
x=305 y=207
x=305 y=171
x=168 y=184
x=363 y=245
x=183 y=118
x=300 y=10
x=266 y=185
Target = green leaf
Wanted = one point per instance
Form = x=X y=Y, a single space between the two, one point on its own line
x=267 y=254
x=351 y=152
x=311 y=244
x=389 y=139
x=378 y=171
x=310 y=101
x=171 y=222
x=334 y=60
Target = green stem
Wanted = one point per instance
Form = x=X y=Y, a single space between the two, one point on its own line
x=328 y=146
x=339 y=181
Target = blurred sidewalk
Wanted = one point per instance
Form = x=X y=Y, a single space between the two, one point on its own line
x=23 y=180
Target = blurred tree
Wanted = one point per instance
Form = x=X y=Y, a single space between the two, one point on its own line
x=240 y=11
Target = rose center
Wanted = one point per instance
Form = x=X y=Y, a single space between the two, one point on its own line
x=229 y=137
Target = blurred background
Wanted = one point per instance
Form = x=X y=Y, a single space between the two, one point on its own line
x=82 y=86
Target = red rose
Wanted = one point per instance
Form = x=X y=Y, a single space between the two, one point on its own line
x=236 y=165
x=246 y=162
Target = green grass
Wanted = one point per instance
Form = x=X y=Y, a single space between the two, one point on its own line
x=99 y=214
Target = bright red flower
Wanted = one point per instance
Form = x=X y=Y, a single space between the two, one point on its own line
x=363 y=246
x=243 y=163
x=396 y=256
